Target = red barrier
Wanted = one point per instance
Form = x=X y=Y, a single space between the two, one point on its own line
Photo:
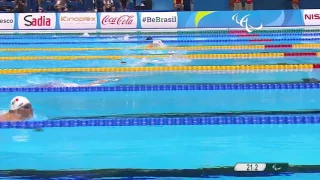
x=316 y=66
x=278 y=46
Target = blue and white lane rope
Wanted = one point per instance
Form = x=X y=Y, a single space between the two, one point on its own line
x=183 y=87
x=171 y=41
x=44 y=36
x=179 y=121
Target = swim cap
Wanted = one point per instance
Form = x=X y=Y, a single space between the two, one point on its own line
x=17 y=102
x=171 y=52
x=158 y=42
x=149 y=38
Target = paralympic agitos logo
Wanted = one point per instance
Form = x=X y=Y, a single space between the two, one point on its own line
x=244 y=22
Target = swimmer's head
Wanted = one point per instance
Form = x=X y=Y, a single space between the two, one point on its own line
x=171 y=52
x=157 y=42
x=149 y=38
x=126 y=37
x=21 y=106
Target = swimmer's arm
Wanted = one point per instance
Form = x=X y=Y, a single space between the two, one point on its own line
x=99 y=77
x=97 y=82
x=3 y=118
x=100 y=82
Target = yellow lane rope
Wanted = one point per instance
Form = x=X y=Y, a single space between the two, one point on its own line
x=298 y=67
x=187 y=56
x=305 y=46
x=294 y=46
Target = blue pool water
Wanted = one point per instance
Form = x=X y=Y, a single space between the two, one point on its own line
x=157 y=147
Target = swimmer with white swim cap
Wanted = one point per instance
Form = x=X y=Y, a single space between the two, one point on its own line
x=156 y=43
x=20 y=110
x=171 y=52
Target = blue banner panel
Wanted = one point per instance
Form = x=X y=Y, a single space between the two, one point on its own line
x=240 y=19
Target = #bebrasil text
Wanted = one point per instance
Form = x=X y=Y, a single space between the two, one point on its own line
x=160 y=19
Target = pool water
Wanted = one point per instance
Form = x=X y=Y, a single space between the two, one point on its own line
x=158 y=147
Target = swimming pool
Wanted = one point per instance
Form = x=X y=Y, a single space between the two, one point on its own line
x=223 y=97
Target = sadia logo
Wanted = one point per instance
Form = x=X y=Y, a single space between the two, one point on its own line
x=6 y=21
x=40 y=21
x=244 y=22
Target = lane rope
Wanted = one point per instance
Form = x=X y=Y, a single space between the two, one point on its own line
x=176 y=121
x=226 y=47
x=170 y=41
x=182 y=87
x=288 y=67
x=176 y=56
x=44 y=36
x=302 y=30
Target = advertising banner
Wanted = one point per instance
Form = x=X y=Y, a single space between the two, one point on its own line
x=248 y=20
x=37 y=21
x=118 y=20
x=78 y=21
x=311 y=17
x=159 y=20
x=7 y=21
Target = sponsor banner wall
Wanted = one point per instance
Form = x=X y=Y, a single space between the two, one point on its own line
x=78 y=20
x=311 y=17
x=248 y=20
x=126 y=20
x=161 y=20
x=37 y=21
x=240 y=19
x=7 y=21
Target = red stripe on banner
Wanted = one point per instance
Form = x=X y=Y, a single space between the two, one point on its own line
x=278 y=46
x=316 y=66
x=248 y=35
x=301 y=54
x=260 y=40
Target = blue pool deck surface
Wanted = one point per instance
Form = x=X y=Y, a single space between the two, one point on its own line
x=158 y=147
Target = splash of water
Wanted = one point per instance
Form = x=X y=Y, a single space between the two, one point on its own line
x=85 y=35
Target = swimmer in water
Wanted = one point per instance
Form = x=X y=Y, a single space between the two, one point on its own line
x=20 y=110
x=156 y=43
x=171 y=52
x=95 y=83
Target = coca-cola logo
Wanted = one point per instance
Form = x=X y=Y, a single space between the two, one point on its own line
x=121 y=20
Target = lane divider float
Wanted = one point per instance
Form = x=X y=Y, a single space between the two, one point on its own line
x=165 y=121
x=240 y=40
x=176 y=56
x=191 y=35
x=181 y=32
x=170 y=87
x=288 y=67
